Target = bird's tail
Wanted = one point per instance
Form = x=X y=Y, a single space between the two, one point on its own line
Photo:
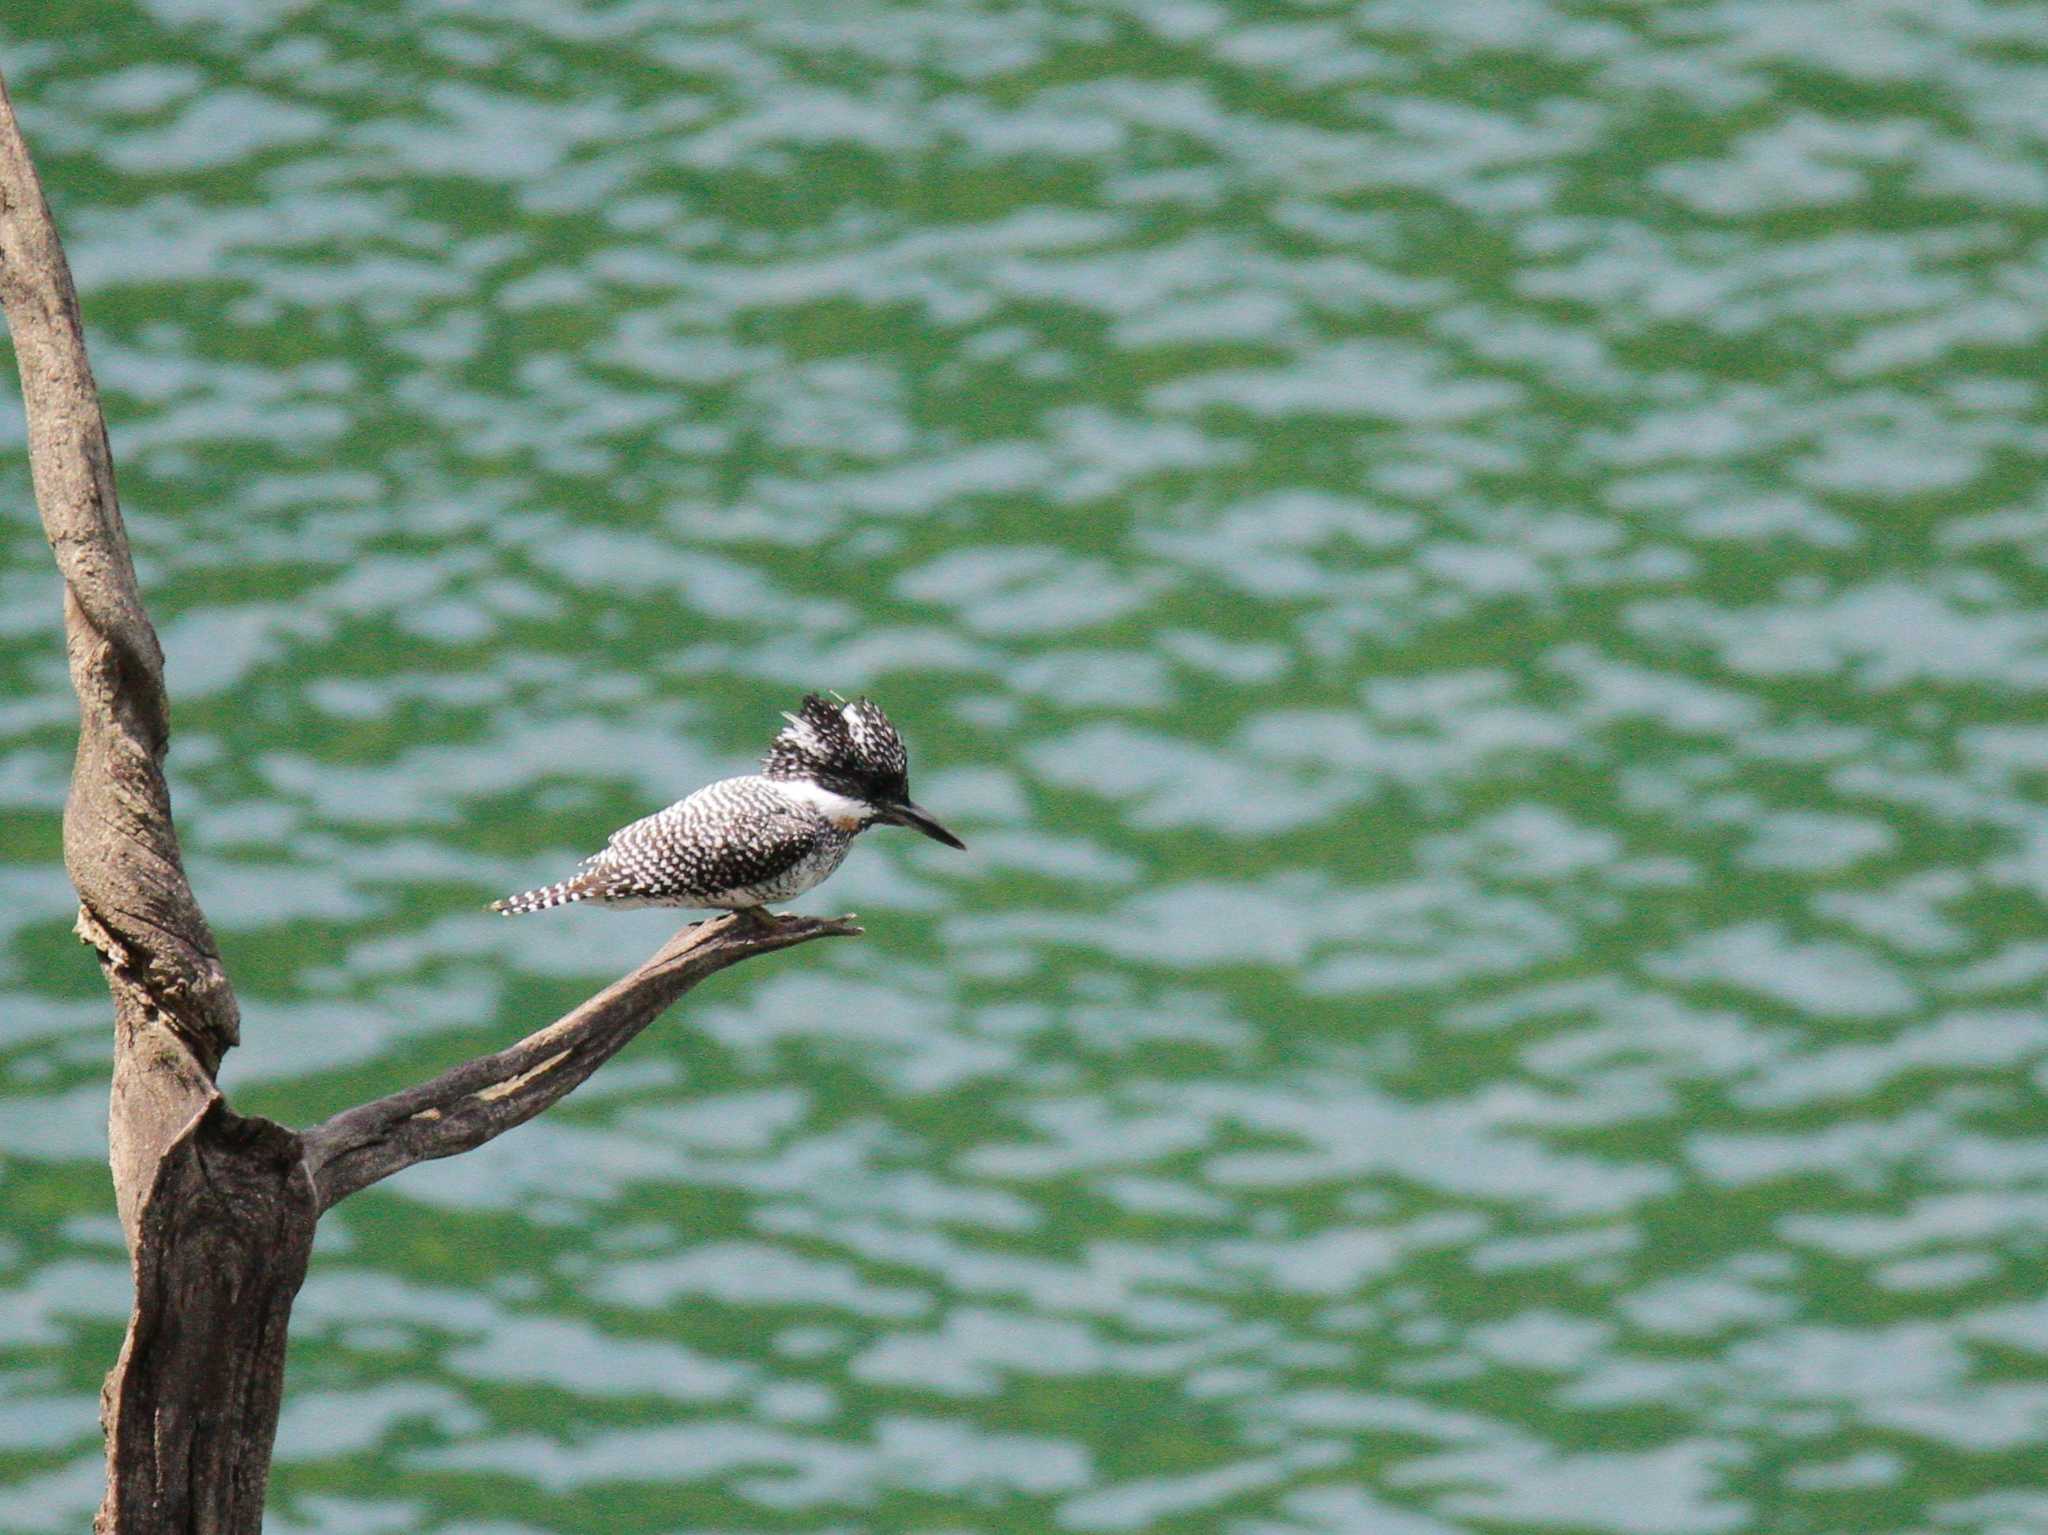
x=577 y=887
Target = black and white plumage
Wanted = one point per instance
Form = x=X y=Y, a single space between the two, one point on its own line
x=833 y=771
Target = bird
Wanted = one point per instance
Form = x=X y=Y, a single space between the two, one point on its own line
x=835 y=769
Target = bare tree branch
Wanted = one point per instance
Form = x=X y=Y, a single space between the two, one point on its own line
x=219 y=1223
x=175 y=1010
x=119 y=843
x=219 y=1210
x=482 y=1099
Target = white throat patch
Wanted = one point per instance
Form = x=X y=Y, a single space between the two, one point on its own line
x=846 y=814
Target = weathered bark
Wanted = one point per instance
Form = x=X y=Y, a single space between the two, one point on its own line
x=473 y=1102
x=173 y=1006
x=219 y=1209
x=191 y=1407
x=205 y=1342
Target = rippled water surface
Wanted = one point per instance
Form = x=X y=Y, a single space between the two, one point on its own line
x=1472 y=573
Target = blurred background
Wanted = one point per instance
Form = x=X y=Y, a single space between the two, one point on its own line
x=1472 y=574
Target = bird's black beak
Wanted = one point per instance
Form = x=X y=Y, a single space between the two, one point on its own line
x=904 y=813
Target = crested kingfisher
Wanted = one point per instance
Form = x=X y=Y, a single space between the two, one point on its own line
x=833 y=771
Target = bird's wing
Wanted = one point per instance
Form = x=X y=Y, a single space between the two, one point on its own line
x=727 y=836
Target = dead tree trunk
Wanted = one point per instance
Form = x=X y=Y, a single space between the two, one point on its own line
x=219 y=1208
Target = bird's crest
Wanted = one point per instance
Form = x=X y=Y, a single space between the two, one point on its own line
x=838 y=742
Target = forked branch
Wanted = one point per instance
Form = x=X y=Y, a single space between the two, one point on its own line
x=219 y=1210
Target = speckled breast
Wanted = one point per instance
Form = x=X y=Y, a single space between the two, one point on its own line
x=814 y=866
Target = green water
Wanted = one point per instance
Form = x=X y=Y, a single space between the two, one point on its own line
x=1472 y=574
